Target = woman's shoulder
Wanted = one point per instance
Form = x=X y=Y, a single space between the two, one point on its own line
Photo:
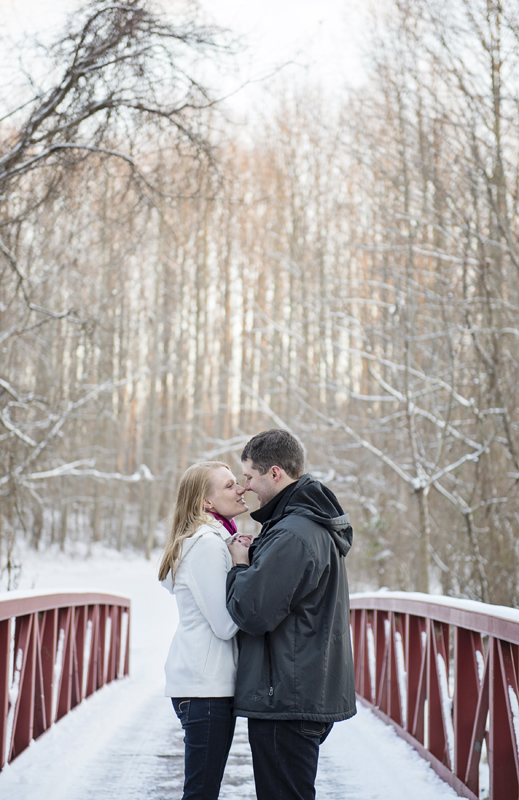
x=208 y=529
x=209 y=535
x=206 y=545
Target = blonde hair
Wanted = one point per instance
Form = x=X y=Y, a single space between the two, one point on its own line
x=188 y=513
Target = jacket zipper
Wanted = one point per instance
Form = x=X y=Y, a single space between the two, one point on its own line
x=271 y=680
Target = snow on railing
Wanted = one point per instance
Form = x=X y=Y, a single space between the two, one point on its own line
x=55 y=649
x=444 y=673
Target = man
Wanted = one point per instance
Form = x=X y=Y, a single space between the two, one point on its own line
x=290 y=600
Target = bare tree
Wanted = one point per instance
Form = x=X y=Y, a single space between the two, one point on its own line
x=120 y=77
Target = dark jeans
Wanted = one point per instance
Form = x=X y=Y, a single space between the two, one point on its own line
x=208 y=725
x=284 y=756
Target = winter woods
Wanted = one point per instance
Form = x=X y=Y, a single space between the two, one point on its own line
x=170 y=286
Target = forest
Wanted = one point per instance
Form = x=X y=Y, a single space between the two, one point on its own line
x=172 y=283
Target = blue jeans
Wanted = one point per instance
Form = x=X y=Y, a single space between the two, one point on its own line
x=284 y=756
x=208 y=724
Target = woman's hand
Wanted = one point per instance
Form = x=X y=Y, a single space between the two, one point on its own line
x=239 y=549
x=246 y=539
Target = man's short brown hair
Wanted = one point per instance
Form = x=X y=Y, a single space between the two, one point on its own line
x=276 y=447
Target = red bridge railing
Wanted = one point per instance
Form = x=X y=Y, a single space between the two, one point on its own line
x=55 y=650
x=444 y=673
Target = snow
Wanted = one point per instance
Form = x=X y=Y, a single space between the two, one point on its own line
x=480 y=660
x=372 y=662
x=363 y=759
x=125 y=740
x=446 y=702
x=474 y=606
x=58 y=666
x=514 y=705
x=402 y=676
x=18 y=594
x=13 y=696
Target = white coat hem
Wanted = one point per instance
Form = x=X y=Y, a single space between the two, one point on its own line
x=187 y=690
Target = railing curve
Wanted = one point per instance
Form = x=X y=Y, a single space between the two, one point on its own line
x=444 y=673
x=55 y=649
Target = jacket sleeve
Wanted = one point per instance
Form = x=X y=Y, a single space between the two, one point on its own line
x=259 y=597
x=207 y=565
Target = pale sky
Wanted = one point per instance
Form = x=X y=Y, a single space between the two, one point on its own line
x=321 y=37
x=320 y=33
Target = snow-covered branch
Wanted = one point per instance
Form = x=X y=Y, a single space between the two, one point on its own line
x=72 y=406
x=6 y=421
x=83 y=469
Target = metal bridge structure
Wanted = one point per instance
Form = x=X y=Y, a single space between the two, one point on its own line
x=442 y=672
x=55 y=650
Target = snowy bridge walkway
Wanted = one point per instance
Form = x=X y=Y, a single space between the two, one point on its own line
x=125 y=741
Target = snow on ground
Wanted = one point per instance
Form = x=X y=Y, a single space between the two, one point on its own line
x=125 y=741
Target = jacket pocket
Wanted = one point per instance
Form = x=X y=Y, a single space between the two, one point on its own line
x=210 y=664
x=270 y=672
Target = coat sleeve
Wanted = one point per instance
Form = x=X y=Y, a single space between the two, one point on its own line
x=259 y=597
x=206 y=579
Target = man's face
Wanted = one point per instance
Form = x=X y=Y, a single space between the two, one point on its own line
x=265 y=486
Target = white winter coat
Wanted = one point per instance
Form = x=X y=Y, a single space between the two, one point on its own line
x=203 y=655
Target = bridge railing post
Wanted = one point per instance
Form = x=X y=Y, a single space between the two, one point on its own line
x=5 y=638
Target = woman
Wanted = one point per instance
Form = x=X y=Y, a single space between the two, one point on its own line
x=201 y=664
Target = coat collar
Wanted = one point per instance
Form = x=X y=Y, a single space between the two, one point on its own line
x=214 y=527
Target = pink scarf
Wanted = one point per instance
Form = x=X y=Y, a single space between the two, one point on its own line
x=228 y=524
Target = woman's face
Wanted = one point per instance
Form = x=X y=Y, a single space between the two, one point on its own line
x=225 y=496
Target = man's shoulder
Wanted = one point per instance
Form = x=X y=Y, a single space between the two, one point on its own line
x=297 y=518
x=299 y=525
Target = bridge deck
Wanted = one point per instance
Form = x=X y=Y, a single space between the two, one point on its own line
x=119 y=745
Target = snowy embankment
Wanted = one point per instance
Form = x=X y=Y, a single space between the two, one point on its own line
x=126 y=742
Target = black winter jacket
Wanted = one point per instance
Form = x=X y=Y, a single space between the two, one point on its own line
x=292 y=607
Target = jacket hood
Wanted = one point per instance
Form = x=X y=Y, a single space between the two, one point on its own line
x=310 y=498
